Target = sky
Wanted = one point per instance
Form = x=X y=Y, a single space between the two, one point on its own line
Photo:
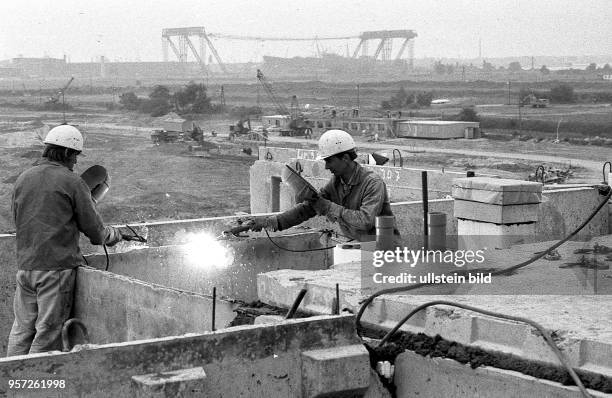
x=131 y=30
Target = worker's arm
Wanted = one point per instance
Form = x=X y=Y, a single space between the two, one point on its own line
x=294 y=216
x=89 y=221
x=362 y=218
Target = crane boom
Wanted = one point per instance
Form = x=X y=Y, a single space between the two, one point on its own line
x=281 y=109
x=55 y=97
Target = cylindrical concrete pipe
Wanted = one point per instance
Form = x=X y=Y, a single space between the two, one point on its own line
x=437 y=230
x=384 y=232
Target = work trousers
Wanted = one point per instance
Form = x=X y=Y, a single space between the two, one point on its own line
x=43 y=301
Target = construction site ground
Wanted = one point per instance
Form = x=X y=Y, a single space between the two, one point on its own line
x=168 y=181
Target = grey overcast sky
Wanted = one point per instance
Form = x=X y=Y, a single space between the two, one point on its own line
x=129 y=30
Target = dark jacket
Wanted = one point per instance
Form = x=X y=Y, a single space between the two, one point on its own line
x=355 y=205
x=51 y=204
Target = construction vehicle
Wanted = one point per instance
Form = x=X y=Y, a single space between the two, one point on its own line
x=298 y=124
x=54 y=99
x=535 y=102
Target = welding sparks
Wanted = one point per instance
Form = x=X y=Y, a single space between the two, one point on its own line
x=203 y=250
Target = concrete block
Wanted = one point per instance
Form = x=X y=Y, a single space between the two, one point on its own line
x=478 y=235
x=177 y=383
x=500 y=191
x=498 y=214
x=334 y=372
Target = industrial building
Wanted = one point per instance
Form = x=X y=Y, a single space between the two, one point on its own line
x=383 y=126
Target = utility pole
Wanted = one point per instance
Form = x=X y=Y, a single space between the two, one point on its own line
x=358 y=97
x=519 y=115
x=508 y=83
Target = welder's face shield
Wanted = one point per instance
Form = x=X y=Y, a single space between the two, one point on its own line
x=98 y=180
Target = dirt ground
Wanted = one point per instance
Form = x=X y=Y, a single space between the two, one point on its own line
x=166 y=182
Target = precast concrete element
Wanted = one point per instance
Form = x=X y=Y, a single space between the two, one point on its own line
x=116 y=308
x=269 y=194
x=334 y=372
x=503 y=212
x=177 y=383
x=192 y=269
x=498 y=191
x=418 y=376
x=490 y=213
x=563 y=210
x=582 y=322
x=248 y=361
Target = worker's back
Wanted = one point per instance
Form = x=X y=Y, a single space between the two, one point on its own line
x=50 y=205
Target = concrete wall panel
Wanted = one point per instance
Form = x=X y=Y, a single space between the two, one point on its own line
x=116 y=308
x=249 y=361
x=175 y=267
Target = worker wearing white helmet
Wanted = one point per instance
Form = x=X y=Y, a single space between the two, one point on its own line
x=51 y=205
x=353 y=197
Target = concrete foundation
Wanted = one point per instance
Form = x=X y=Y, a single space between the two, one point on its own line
x=417 y=376
x=250 y=361
x=581 y=321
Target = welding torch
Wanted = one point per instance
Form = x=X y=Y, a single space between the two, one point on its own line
x=237 y=231
x=133 y=238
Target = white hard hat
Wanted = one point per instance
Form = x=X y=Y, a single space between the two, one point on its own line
x=66 y=136
x=333 y=142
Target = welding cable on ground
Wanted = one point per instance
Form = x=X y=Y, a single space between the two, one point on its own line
x=541 y=329
x=504 y=271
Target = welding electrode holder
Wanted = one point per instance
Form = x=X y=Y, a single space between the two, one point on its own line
x=133 y=238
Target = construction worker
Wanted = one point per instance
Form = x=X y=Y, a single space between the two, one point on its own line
x=353 y=197
x=50 y=206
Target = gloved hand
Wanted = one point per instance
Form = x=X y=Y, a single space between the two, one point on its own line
x=257 y=223
x=113 y=236
x=305 y=194
x=320 y=205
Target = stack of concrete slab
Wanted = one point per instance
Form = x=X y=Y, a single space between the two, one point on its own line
x=501 y=212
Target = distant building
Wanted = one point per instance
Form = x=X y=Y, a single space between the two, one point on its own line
x=437 y=129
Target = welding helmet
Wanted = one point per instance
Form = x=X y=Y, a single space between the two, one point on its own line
x=333 y=142
x=66 y=136
x=98 y=180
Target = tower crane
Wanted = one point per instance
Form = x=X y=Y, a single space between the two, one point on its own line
x=298 y=125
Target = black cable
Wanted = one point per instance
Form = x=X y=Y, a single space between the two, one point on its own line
x=294 y=250
x=541 y=329
x=140 y=238
x=107 y=260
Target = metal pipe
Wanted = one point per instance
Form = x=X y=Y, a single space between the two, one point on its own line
x=605 y=177
x=425 y=208
x=67 y=324
x=296 y=304
x=214 y=307
x=336 y=304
